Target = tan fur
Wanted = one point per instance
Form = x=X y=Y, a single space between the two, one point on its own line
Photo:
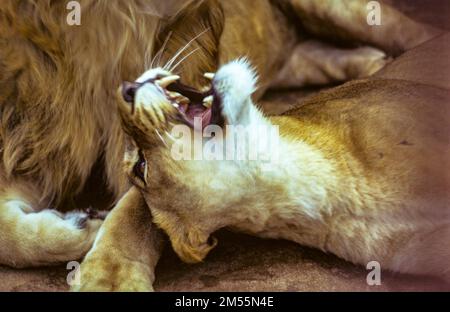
x=57 y=104
x=363 y=171
x=114 y=258
x=191 y=240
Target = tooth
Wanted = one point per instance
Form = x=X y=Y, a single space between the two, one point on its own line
x=205 y=89
x=209 y=76
x=174 y=95
x=166 y=81
x=183 y=100
x=208 y=101
x=179 y=98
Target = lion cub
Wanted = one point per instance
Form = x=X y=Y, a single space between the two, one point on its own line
x=362 y=181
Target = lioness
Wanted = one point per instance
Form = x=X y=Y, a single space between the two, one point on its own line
x=361 y=171
x=58 y=111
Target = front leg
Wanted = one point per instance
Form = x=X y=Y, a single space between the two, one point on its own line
x=317 y=63
x=348 y=21
x=126 y=250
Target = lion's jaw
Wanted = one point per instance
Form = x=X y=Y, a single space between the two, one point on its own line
x=191 y=199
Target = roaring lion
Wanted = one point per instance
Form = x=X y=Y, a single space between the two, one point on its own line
x=59 y=123
x=361 y=171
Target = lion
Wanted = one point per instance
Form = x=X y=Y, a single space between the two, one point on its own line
x=360 y=171
x=60 y=129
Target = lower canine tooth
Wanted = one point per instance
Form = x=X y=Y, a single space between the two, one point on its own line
x=183 y=100
x=208 y=101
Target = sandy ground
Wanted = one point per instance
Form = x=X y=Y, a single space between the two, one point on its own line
x=245 y=263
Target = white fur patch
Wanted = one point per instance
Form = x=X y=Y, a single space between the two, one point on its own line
x=235 y=84
x=148 y=95
x=238 y=77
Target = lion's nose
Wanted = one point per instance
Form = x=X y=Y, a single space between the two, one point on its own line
x=129 y=91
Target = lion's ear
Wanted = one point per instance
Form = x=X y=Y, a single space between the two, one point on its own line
x=190 y=243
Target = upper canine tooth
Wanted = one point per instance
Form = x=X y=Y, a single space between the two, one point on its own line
x=209 y=76
x=208 y=101
x=164 y=82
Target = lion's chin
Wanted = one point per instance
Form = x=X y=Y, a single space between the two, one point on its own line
x=190 y=253
x=190 y=241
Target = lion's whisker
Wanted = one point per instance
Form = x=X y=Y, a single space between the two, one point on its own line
x=183 y=59
x=159 y=54
x=170 y=136
x=148 y=59
x=160 y=136
x=180 y=51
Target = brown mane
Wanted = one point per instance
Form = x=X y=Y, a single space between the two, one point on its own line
x=57 y=86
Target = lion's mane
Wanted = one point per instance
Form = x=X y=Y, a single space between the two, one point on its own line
x=57 y=87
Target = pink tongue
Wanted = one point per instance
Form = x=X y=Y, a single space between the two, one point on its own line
x=206 y=118
x=205 y=115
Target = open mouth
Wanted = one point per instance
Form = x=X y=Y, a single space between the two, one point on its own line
x=194 y=105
